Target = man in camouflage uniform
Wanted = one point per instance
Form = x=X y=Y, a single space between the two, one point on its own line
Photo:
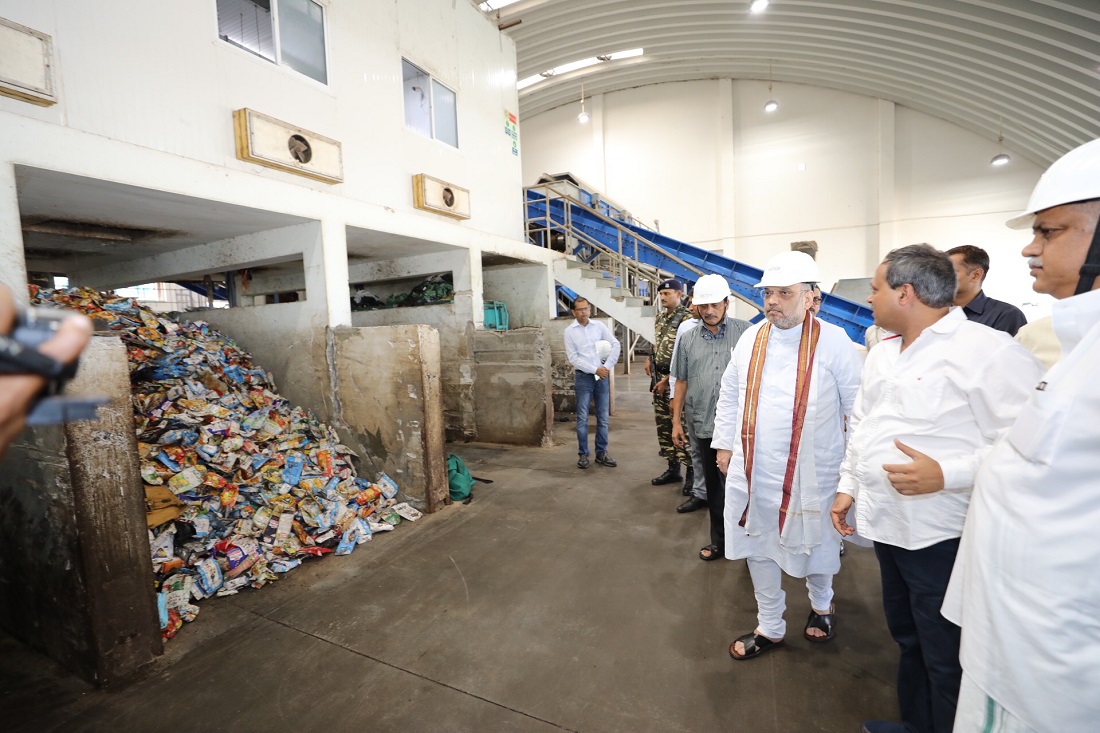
x=673 y=313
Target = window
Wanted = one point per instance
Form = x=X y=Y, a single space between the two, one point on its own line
x=287 y=32
x=430 y=107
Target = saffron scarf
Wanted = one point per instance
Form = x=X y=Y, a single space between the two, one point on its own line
x=807 y=347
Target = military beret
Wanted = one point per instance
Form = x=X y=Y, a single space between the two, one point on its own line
x=671 y=284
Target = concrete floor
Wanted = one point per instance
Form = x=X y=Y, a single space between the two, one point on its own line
x=557 y=600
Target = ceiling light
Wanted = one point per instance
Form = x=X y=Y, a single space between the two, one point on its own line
x=498 y=4
x=524 y=83
x=758 y=6
x=577 y=65
x=574 y=65
x=771 y=105
x=618 y=55
x=1000 y=158
x=583 y=117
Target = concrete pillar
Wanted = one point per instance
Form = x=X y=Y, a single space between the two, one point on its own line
x=75 y=574
x=325 y=259
x=13 y=268
x=469 y=302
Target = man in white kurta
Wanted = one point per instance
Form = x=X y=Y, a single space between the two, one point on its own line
x=806 y=546
x=933 y=401
x=1026 y=588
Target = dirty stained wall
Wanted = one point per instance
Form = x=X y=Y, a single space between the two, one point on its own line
x=457 y=371
x=74 y=572
x=512 y=390
x=388 y=391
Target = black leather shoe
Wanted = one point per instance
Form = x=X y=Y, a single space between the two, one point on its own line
x=605 y=460
x=670 y=476
x=691 y=505
x=582 y=460
x=689 y=482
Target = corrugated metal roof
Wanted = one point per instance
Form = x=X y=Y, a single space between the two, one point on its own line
x=1033 y=63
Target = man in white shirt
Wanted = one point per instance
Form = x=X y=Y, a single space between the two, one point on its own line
x=932 y=402
x=591 y=378
x=1025 y=588
x=786 y=391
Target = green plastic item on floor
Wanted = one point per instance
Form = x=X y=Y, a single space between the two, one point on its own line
x=459 y=478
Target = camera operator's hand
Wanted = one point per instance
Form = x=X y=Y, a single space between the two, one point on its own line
x=17 y=391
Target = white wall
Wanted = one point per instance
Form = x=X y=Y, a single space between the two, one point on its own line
x=858 y=175
x=155 y=75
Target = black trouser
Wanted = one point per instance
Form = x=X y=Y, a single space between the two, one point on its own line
x=716 y=493
x=929 y=674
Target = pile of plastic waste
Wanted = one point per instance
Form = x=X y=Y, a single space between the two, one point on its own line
x=245 y=485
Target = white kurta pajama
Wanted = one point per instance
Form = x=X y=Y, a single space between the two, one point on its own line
x=807 y=549
x=1025 y=588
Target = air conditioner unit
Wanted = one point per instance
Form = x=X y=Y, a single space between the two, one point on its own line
x=26 y=64
x=277 y=144
x=440 y=197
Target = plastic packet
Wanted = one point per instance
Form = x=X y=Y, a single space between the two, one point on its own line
x=387 y=486
x=407 y=512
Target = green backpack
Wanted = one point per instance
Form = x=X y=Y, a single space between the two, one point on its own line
x=459 y=478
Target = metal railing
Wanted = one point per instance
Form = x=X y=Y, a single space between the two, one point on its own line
x=620 y=260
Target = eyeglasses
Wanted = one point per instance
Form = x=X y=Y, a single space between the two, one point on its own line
x=817 y=301
x=581 y=310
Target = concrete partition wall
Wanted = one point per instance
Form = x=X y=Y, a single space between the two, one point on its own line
x=456 y=358
x=286 y=340
x=349 y=382
x=513 y=387
x=527 y=291
x=388 y=395
x=75 y=571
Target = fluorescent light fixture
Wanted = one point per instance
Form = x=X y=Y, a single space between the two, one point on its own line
x=758 y=6
x=771 y=105
x=619 y=55
x=577 y=65
x=1000 y=159
x=524 y=83
x=490 y=6
x=574 y=65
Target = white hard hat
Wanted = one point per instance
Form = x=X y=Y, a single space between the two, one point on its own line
x=1073 y=177
x=789 y=268
x=603 y=349
x=710 y=289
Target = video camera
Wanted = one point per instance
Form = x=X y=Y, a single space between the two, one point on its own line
x=19 y=355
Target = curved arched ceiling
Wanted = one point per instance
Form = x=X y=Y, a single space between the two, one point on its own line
x=1033 y=63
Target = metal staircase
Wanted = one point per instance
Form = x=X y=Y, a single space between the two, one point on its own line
x=616 y=259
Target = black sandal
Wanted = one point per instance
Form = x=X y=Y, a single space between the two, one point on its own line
x=822 y=622
x=715 y=551
x=755 y=645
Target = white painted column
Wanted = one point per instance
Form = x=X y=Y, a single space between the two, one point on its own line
x=724 y=185
x=13 y=267
x=885 y=188
x=468 y=283
x=325 y=259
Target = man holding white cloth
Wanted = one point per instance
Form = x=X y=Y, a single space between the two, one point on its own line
x=779 y=430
